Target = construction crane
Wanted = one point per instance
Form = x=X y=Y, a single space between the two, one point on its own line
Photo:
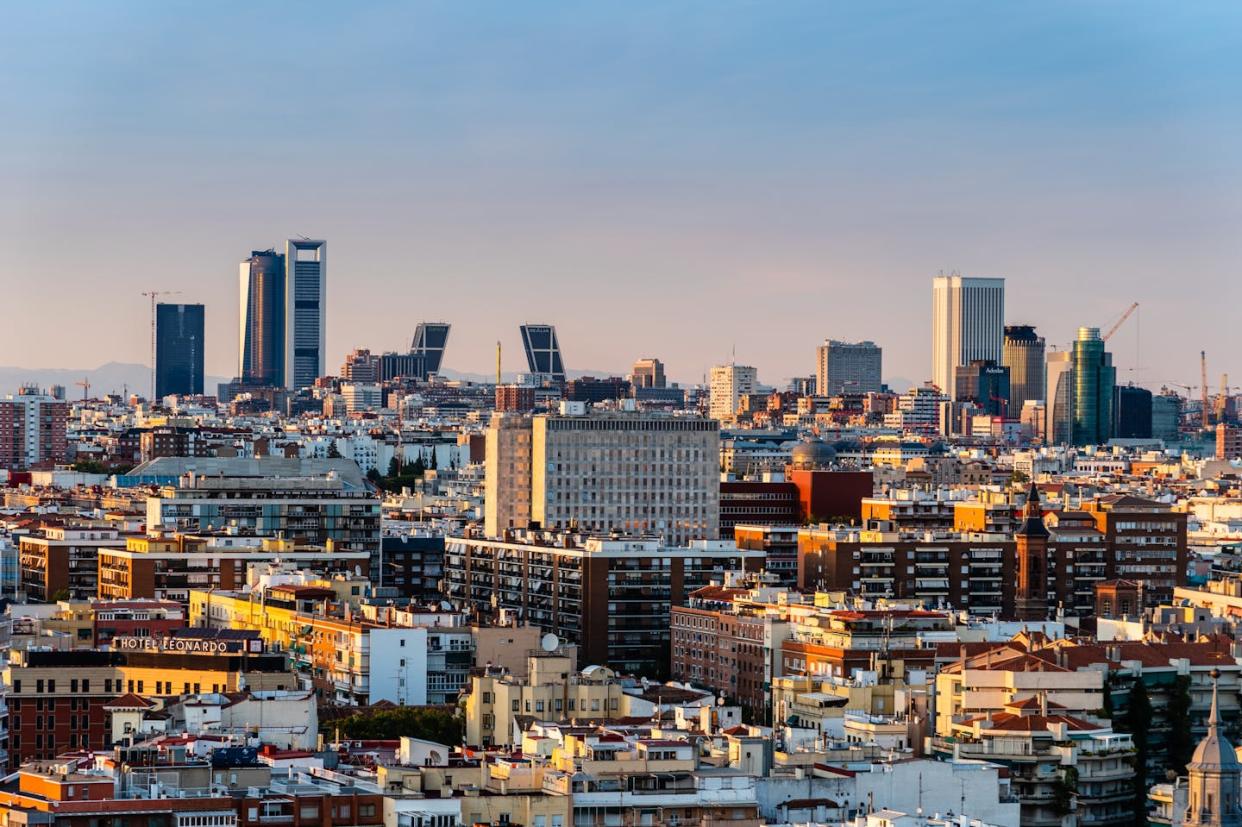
x=1203 y=388
x=1117 y=324
x=155 y=294
x=85 y=385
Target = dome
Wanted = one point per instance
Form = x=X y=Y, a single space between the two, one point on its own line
x=811 y=454
x=1214 y=753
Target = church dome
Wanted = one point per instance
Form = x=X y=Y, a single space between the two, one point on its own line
x=810 y=454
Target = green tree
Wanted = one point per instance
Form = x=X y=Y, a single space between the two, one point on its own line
x=394 y=467
x=333 y=451
x=1180 y=743
x=1136 y=720
x=432 y=723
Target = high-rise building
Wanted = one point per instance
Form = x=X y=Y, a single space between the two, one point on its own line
x=178 y=349
x=261 y=350
x=1166 y=416
x=652 y=474
x=968 y=323
x=306 y=300
x=729 y=383
x=1059 y=398
x=1131 y=412
x=648 y=373
x=32 y=430
x=987 y=385
x=1228 y=441
x=1094 y=380
x=1024 y=356
x=847 y=367
x=430 y=341
x=543 y=352
x=361 y=366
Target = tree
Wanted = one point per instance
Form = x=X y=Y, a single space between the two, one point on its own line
x=1136 y=720
x=435 y=462
x=394 y=467
x=428 y=722
x=1180 y=745
x=333 y=451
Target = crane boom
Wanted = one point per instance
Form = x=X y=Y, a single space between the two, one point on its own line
x=155 y=294
x=1117 y=324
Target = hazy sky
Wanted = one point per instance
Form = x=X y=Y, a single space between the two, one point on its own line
x=668 y=179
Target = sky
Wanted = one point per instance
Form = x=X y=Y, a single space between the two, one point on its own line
x=682 y=180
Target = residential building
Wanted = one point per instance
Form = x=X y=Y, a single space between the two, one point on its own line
x=728 y=385
x=1023 y=354
x=361 y=366
x=179 y=349
x=1228 y=441
x=847 y=367
x=61 y=561
x=32 y=431
x=515 y=399
x=612 y=596
x=306 y=307
x=509 y=460
x=968 y=323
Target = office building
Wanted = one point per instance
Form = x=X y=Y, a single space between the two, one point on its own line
x=1024 y=356
x=728 y=385
x=262 y=345
x=543 y=352
x=306 y=305
x=1131 y=412
x=604 y=471
x=1166 y=416
x=648 y=373
x=32 y=431
x=986 y=384
x=968 y=323
x=591 y=390
x=612 y=596
x=847 y=367
x=361 y=366
x=178 y=349
x=1059 y=398
x=430 y=342
x=1094 y=380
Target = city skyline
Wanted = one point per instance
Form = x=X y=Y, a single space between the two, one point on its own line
x=729 y=178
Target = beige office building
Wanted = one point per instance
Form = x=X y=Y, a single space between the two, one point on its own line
x=639 y=473
x=729 y=383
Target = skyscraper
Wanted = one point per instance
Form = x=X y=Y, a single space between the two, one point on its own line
x=306 y=296
x=987 y=385
x=1094 y=380
x=1059 y=398
x=1131 y=412
x=729 y=383
x=968 y=323
x=648 y=373
x=1024 y=356
x=178 y=349
x=543 y=351
x=262 y=343
x=847 y=367
x=430 y=341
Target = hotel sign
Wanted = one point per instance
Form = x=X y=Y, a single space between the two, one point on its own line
x=185 y=645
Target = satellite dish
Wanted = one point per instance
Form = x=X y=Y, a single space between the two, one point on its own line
x=549 y=642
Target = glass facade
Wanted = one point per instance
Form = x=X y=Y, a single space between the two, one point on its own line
x=1094 y=381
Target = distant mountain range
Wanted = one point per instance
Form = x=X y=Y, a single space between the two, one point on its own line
x=113 y=377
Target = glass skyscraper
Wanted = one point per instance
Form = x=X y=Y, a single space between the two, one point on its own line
x=306 y=296
x=1094 y=381
x=178 y=349
x=262 y=345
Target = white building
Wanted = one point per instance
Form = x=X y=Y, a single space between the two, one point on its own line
x=729 y=383
x=968 y=323
x=847 y=367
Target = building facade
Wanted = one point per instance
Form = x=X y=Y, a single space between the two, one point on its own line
x=1023 y=354
x=261 y=349
x=32 y=431
x=728 y=384
x=179 y=349
x=1094 y=380
x=968 y=323
x=306 y=305
x=847 y=367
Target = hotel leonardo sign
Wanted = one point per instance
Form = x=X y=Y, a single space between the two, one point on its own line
x=185 y=645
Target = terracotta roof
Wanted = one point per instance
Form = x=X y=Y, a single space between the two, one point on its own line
x=129 y=701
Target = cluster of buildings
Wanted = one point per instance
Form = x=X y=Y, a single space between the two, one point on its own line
x=1007 y=596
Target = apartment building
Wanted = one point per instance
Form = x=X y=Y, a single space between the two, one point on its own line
x=32 y=431
x=612 y=596
x=62 y=561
